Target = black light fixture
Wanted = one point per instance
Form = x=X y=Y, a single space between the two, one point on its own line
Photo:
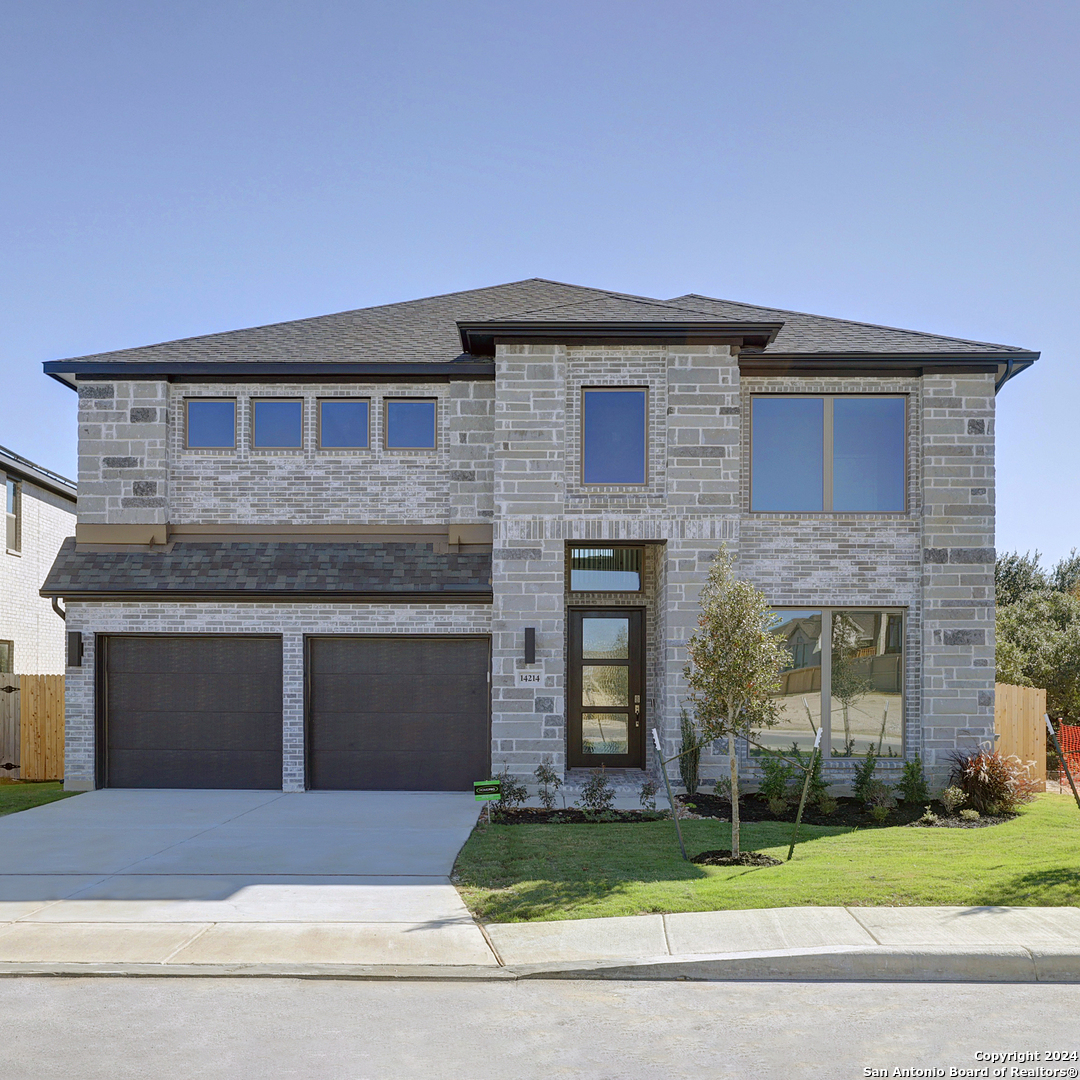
x=530 y=644
x=74 y=648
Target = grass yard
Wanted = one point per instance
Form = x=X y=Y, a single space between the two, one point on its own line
x=532 y=873
x=16 y=795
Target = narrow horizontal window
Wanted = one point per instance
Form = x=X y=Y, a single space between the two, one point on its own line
x=211 y=423
x=277 y=425
x=605 y=569
x=614 y=436
x=410 y=424
x=343 y=422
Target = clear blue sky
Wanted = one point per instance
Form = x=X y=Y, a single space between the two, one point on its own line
x=178 y=169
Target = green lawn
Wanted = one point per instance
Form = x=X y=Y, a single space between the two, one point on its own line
x=527 y=873
x=16 y=795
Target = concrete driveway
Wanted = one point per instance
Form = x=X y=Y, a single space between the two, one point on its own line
x=242 y=877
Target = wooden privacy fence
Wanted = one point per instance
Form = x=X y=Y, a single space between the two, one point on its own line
x=1020 y=727
x=32 y=727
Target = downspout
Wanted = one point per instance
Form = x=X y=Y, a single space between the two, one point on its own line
x=58 y=609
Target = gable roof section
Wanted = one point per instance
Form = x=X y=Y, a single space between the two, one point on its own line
x=427 y=335
x=24 y=469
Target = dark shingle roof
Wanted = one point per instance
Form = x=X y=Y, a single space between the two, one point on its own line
x=425 y=331
x=391 y=570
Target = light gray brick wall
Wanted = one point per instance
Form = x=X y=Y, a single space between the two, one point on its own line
x=26 y=619
x=291 y=621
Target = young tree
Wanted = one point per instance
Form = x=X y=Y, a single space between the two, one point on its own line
x=735 y=665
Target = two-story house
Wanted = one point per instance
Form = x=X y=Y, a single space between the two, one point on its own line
x=400 y=546
x=39 y=514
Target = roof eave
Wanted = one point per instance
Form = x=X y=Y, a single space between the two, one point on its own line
x=882 y=363
x=480 y=338
x=463 y=596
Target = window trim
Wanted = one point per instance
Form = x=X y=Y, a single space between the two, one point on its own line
x=825 y=692
x=571 y=591
x=827 y=450
x=187 y=424
x=594 y=484
x=387 y=402
x=319 y=402
x=253 y=402
x=13 y=520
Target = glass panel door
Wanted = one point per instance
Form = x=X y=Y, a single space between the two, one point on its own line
x=606 y=688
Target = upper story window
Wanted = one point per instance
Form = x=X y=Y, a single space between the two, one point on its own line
x=14 y=515
x=410 y=424
x=344 y=424
x=277 y=424
x=211 y=423
x=840 y=453
x=614 y=438
x=605 y=569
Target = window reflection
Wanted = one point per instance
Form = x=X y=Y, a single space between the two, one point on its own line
x=605 y=733
x=800 y=682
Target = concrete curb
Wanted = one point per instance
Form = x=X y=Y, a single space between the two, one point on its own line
x=835 y=963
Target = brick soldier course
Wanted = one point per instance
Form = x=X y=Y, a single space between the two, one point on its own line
x=494 y=508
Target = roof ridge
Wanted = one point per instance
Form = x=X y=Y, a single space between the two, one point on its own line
x=667 y=305
x=856 y=322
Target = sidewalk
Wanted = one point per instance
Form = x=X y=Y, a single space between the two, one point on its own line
x=863 y=943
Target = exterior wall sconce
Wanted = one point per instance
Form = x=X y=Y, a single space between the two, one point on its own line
x=530 y=644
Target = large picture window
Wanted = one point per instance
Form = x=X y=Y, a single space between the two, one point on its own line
x=845 y=673
x=839 y=453
x=613 y=436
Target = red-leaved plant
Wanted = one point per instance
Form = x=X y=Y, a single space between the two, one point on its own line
x=993 y=784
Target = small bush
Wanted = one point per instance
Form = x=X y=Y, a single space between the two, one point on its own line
x=952 y=798
x=513 y=793
x=777 y=774
x=970 y=815
x=647 y=794
x=879 y=813
x=827 y=805
x=597 y=795
x=913 y=785
x=777 y=806
x=928 y=817
x=550 y=782
x=992 y=783
x=818 y=789
x=723 y=788
x=864 y=776
x=689 y=753
x=878 y=793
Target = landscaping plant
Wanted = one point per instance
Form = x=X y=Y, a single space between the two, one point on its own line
x=647 y=795
x=735 y=664
x=992 y=783
x=550 y=782
x=689 y=752
x=952 y=798
x=913 y=785
x=776 y=777
x=864 y=776
x=597 y=794
x=512 y=792
x=818 y=792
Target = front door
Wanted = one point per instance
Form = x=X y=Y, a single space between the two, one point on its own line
x=606 y=688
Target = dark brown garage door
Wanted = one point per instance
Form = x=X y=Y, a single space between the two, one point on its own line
x=398 y=713
x=193 y=711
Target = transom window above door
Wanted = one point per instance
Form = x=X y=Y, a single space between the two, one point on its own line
x=614 y=436
x=605 y=569
x=839 y=453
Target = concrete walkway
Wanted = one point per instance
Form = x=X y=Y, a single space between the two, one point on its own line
x=356 y=884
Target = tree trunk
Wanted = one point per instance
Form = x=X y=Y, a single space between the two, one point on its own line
x=733 y=762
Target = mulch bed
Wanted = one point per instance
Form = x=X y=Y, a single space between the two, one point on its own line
x=724 y=858
x=524 y=815
x=849 y=813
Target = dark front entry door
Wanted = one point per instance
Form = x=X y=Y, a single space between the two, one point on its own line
x=607 y=688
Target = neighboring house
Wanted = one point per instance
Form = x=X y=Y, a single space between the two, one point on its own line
x=399 y=546
x=40 y=513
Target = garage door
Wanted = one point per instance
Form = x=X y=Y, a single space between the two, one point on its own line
x=398 y=713
x=193 y=711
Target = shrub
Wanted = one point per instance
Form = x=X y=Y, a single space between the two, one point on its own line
x=913 y=785
x=777 y=774
x=952 y=798
x=723 y=788
x=550 y=782
x=928 y=817
x=879 y=813
x=597 y=794
x=970 y=815
x=818 y=789
x=512 y=793
x=992 y=783
x=777 y=806
x=864 y=776
x=827 y=805
x=689 y=753
x=647 y=795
